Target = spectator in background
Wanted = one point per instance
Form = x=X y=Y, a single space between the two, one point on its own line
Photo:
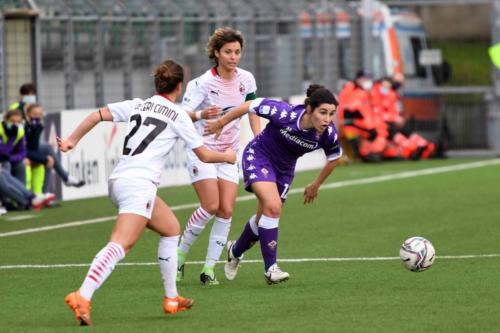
x=363 y=131
x=385 y=101
x=38 y=160
x=402 y=142
x=42 y=152
x=14 y=194
x=45 y=154
x=28 y=96
x=13 y=145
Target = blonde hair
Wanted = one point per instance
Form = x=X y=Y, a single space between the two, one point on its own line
x=220 y=37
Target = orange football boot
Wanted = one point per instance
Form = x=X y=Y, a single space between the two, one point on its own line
x=176 y=304
x=80 y=306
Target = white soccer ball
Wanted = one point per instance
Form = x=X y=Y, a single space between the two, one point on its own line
x=417 y=254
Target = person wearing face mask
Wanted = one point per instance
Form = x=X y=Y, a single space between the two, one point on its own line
x=41 y=155
x=386 y=106
x=51 y=161
x=385 y=103
x=13 y=190
x=359 y=124
x=38 y=160
x=28 y=96
x=13 y=145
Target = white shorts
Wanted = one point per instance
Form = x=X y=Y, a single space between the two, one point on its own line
x=199 y=170
x=135 y=196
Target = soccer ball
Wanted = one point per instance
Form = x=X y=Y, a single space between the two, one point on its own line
x=417 y=254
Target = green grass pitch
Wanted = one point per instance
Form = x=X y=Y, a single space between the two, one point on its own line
x=458 y=210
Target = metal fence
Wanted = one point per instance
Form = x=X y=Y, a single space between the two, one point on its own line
x=86 y=53
x=93 y=52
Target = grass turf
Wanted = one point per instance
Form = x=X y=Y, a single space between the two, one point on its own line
x=457 y=211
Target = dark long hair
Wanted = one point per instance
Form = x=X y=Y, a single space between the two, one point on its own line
x=317 y=95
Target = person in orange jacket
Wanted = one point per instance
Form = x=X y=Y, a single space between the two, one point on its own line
x=360 y=127
x=386 y=105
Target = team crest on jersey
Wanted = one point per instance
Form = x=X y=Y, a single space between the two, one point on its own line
x=242 y=89
x=194 y=170
x=264 y=171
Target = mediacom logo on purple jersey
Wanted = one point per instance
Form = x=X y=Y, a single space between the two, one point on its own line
x=301 y=142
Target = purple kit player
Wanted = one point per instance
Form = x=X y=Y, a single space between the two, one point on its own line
x=269 y=167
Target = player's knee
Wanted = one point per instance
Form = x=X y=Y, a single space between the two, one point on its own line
x=272 y=210
x=211 y=207
x=172 y=231
x=225 y=211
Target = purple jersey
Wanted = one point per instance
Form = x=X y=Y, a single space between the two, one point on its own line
x=283 y=141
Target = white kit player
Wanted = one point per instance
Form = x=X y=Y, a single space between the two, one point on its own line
x=224 y=86
x=154 y=125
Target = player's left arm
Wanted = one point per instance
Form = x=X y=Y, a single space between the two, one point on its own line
x=311 y=190
x=333 y=152
x=87 y=124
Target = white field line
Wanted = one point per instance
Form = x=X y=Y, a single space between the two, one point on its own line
x=21 y=217
x=345 y=183
x=296 y=260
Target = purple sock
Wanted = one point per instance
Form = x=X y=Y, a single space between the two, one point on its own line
x=247 y=240
x=268 y=245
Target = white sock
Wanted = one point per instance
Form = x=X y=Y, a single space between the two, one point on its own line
x=253 y=225
x=194 y=227
x=167 y=259
x=217 y=240
x=102 y=266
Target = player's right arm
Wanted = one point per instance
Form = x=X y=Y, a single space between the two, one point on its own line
x=193 y=97
x=263 y=107
x=184 y=128
x=210 y=156
x=87 y=124
x=216 y=126
x=117 y=112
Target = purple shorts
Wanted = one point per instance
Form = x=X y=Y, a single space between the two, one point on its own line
x=258 y=168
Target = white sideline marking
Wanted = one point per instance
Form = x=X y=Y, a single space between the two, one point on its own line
x=296 y=260
x=369 y=180
x=20 y=217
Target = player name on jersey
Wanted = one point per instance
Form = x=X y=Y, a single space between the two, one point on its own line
x=158 y=108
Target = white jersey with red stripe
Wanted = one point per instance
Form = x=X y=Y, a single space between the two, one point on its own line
x=210 y=89
x=154 y=125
